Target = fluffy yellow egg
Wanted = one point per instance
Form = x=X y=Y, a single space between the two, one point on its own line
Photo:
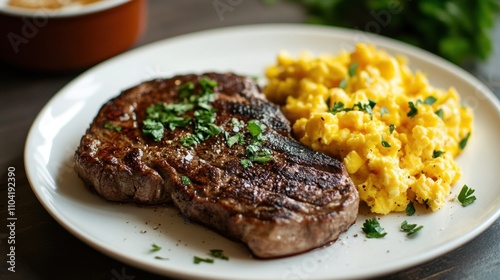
x=397 y=135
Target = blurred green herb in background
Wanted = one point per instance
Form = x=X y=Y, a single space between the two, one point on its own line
x=458 y=30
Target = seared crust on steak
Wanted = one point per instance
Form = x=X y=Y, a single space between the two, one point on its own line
x=298 y=201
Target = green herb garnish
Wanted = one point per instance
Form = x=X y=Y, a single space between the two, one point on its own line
x=160 y=116
x=391 y=128
x=186 y=90
x=413 y=110
x=219 y=254
x=367 y=107
x=372 y=229
x=463 y=142
x=154 y=128
x=337 y=107
x=260 y=156
x=437 y=153
x=204 y=127
x=155 y=248
x=161 y=258
x=190 y=140
x=207 y=85
x=430 y=100
x=410 y=209
x=255 y=128
x=112 y=127
x=198 y=260
x=353 y=68
x=343 y=83
x=385 y=143
x=185 y=180
x=236 y=138
x=180 y=108
x=410 y=229
x=245 y=163
x=440 y=113
x=254 y=150
x=465 y=196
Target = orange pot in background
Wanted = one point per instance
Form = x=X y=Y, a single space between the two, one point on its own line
x=70 y=39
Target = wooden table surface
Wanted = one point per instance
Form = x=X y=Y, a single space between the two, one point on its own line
x=44 y=250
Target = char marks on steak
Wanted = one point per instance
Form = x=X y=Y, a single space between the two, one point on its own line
x=298 y=201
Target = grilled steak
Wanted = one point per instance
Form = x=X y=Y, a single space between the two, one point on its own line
x=293 y=201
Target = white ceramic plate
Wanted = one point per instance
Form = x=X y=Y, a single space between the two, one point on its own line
x=126 y=232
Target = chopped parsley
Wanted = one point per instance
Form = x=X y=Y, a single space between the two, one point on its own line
x=185 y=180
x=437 y=153
x=195 y=110
x=261 y=155
x=236 y=138
x=367 y=107
x=410 y=209
x=190 y=140
x=186 y=90
x=155 y=248
x=198 y=260
x=161 y=258
x=343 y=83
x=410 y=229
x=204 y=127
x=353 y=68
x=465 y=196
x=391 y=128
x=413 y=110
x=372 y=229
x=337 y=108
x=112 y=127
x=463 y=142
x=255 y=128
x=430 y=100
x=254 y=150
x=440 y=113
x=218 y=254
x=245 y=163
x=385 y=143
x=153 y=128
x=161 y=116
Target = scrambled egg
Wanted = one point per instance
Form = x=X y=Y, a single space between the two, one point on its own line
x=397 y=134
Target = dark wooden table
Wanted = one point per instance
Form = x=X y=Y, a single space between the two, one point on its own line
x=44 y=250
